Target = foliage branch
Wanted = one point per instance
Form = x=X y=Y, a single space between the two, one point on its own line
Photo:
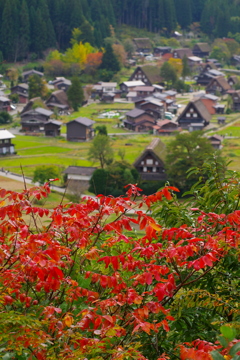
x=79 y=282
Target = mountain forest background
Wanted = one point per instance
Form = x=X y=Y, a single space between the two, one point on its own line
x=32 y=26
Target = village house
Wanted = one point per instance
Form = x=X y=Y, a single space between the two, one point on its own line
x=201 y=50
x=5 y=104
x=128 y=86
x=80 y=129
x=52 y=128
x=61 y=83
x=149 y=74
x=194 y=62
x=235 y=100
x=22 y=91
x=151 y=106
x=211 y=103
x=142 y=45
x=180 y=53
x=232 y=80
x=32 y=103
x=216 y=141
x=35 y=119
x=138 y=120
x=27 y=74
x=58 y=100
x=165 y=127
x=218 y=84
x=161 y=50
x=78 y=178
x=6 y=146
x=143 y=91
x=150 y=163
x=207 y=74
x=195 y=116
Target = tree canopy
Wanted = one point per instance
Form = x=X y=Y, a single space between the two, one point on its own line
x=101 y=150
x=75 y=93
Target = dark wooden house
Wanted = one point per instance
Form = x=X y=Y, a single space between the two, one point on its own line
x=148 y=74
x=218 y=84
x=207 y=74
x=142 y=45
x=27 y=74
x=153 y=107
x=22 y=91
x=52 y=128
x=232 y=80
x=139 y=120
x=201 y=50
x=161 y=50
x=58 y=100
x=216 y=141
x=35 y=119
x=80 y=129
x=32 y=104
x=6 y=146
x=165 y=127
x=5 y=104
x=194 y=116
x=180 y=53
x=64 y=84
x=143 y=91
x=150 y=163
x=235 y=100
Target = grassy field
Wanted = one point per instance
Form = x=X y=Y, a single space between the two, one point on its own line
x=33 y=151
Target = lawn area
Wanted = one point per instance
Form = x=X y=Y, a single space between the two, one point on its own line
x=33 y=151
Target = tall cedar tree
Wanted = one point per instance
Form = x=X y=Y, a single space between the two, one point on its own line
x=75 y=93
x=109 y=60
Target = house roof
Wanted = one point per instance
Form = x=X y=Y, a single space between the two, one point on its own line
x=143 y=43
x=215 y=137
x=60 y=95
x=221 y=81
x=43 y=111
x=234 y=78
x=152 y=73
x=161 y=123
x=80 y=170
x=54 y=122
x=4 y=99
x=5 y=134
x=133 y=83
x=83 y=121
x=200 y=107
x=156 y=147
x=29 y=72
x=22 y=85
x=204 y=47
x=171 y=92
x=209 y=96
x=135 y=113
x=194 y=58
x=182 y=52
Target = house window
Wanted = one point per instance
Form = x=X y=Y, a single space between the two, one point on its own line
x=156 y=162
x=144 y=169
x=149 y=161
x=188 y=115
x=142 y=162
x=154 y=169
x=195 y=115
x=191 y=110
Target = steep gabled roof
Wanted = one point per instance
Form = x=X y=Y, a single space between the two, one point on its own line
x=204 y=47
x=182 y=52
x=221 y=82
x=142 y=43
x=200 y=108
x=156 y=147
x=5 y=134
x=60 y=95
x=135 y=113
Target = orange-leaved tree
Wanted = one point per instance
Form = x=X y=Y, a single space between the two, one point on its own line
x=95 y=280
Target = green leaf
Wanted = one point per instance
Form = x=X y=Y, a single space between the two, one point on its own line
x=223 y=341
x=235 y=349
x=228 y=332
x=216 y=356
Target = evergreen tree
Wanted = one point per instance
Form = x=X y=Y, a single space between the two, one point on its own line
x=109 y=60
x=24 y=30
x=8 y=35
x=75 y=94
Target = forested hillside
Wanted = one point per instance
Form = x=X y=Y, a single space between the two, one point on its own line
x=35 y=25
